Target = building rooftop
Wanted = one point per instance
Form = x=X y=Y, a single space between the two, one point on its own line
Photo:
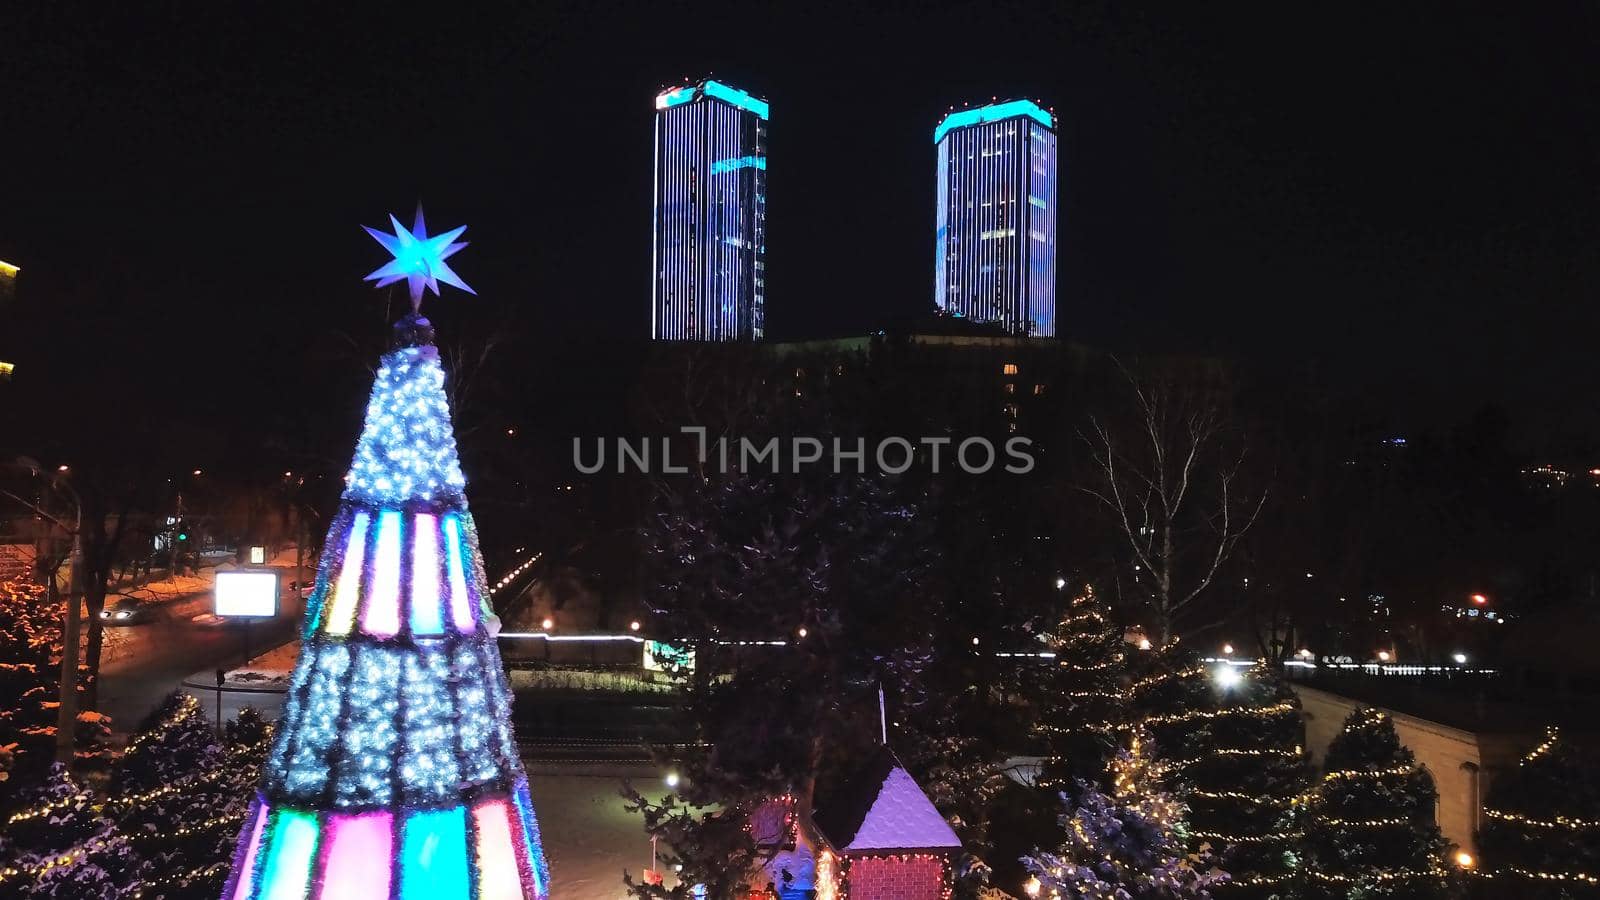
x=994 y=112
x=709 y=88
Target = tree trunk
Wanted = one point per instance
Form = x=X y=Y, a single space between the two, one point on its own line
x=67 y=714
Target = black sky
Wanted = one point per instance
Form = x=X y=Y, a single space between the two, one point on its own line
x=1402 y=194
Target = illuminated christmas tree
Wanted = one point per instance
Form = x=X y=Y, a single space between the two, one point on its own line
x=394 y=773
x=1541 y=830
x=1369 y=827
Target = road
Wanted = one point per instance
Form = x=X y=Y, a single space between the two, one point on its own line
x=152 y=659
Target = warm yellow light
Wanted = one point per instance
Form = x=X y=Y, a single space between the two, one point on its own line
x=1383 y=655
x=1465 y=860
x=7 y=368
x=1144 y=643
x=548 y=623
x=8 y=270
x=1033 y=887
x=1227 y=649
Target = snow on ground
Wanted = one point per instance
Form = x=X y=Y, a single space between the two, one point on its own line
x=589 y=838
x=271 y=668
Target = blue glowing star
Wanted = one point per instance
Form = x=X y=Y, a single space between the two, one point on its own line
x=418 y=258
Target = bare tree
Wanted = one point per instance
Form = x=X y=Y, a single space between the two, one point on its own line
x=1167 y=470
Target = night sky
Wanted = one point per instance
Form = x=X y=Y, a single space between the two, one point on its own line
x=1404 y=196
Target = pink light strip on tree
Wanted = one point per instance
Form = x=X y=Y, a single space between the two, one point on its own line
x=359 y=855
x=427 y=616
x=248 y=868
x=499 y=876
x=382 y=617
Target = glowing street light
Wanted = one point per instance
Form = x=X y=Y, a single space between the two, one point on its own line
x=1383 y=655
x=1144 y=643
x=634 y=625
x=1033 y=887
x=803 y=631
x=1227 y=649
x=1479 y=599
x=1460 y=658
x=1465 y=860
x=672 y=779
x=548 y=623
x=1060 y=583
x=1227 y=677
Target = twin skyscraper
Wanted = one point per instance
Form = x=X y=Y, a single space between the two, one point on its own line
x=995 y=216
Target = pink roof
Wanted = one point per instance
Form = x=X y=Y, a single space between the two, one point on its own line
x=902 y=818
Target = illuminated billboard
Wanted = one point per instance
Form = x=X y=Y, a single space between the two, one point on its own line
x=247 y=594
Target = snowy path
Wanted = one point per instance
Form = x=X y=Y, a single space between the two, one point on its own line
x=588 y=837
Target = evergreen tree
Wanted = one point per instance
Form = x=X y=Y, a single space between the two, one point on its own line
x=180 y=795
x=1541 y=833
x=1083 y=704
x=1369 y=826
x=1235 y=741
x=61 y=846
x=835 y=566
x=1128 y=844
x=29 y=634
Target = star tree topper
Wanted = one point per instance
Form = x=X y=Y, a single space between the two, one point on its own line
x=418 y=259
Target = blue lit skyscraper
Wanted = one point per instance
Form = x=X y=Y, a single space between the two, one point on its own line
x=709 y=256
x=995 y=237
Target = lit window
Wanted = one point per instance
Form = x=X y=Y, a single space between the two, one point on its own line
x=1009 y=369
x=1011 y=387
x=1038 y=390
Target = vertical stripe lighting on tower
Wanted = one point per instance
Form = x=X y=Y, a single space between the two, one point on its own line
x=710 y=215
x=995 y=217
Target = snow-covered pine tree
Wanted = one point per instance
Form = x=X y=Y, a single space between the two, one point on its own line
x=1235 y=741
x=1125 y=844
x=1369 y=826
x=29 y=629
x=1541 y=831
x=179 y=795
x=60 y=846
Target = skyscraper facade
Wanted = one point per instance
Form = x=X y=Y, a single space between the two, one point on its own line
x=995 y=225
x=709 y=256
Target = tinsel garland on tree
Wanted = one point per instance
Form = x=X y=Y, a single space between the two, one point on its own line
x=1235 y=742
x=62 y=846
x=1541 y=827
x=1369 y=825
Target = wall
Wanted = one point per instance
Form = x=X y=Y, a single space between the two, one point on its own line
x=1462 y=763
x=914 y=877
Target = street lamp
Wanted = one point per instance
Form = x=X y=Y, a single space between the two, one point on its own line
x=1480 y=599
x=1383 y=655
x=1227 y=649
x=1227 y=677
x=1460 y=658
x=548 y=623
